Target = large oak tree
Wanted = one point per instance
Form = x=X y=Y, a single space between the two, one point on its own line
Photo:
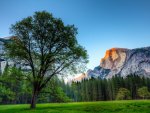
x=48 y=46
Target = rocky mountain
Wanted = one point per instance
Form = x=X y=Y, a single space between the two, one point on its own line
x=123 y=62
x=80 y=77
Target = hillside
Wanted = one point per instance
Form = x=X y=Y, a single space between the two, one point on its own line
x=123 y=62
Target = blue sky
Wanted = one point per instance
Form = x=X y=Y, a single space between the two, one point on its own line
x=102 y=24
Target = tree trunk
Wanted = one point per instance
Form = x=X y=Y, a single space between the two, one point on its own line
x=33 y=100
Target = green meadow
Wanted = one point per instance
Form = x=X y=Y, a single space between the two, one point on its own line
x=130 y=106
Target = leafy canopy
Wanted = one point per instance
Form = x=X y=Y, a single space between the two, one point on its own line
x=143 y=92
x=48 y=46
x=123 y=94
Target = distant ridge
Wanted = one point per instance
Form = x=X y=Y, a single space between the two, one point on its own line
x=122 y=62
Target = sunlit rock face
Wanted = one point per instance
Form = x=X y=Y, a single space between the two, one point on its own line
x=114 y=58
x=123 y=62
x=80 y=77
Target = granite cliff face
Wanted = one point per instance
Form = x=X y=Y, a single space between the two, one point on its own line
x=137 y=62
x=114 y=58
x=123 y=62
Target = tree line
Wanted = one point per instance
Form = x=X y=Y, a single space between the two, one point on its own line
x=130 y=87
x=15 y=89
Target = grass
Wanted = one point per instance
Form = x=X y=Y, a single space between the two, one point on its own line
x=131 y=106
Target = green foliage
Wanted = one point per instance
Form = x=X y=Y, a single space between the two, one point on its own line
x=6 y=94
x=108 y=89
x=59 y=95
x=143 y=92
x=48 y=46
x=54 y=92
x=14 y=87
x=123 y=94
